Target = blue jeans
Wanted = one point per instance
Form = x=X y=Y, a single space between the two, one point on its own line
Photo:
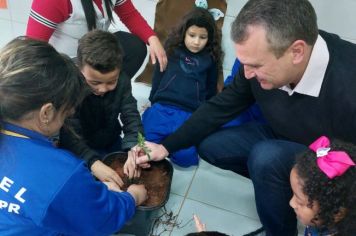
x=253 y=150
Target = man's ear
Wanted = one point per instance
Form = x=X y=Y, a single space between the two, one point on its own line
x=47 y=113
x=298 y=50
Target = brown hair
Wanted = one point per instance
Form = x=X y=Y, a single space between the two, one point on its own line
x=33 y=73
x=100 y=50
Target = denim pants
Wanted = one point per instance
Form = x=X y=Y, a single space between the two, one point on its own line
x=253 y=150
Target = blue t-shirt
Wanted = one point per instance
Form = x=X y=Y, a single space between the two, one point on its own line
x=47 y=191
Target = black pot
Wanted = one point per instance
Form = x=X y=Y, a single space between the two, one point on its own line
x=142 y=222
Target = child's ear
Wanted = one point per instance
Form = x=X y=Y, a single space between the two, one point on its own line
x=340 y=215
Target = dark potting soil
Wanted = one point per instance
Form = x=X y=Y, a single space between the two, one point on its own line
x=156 y=179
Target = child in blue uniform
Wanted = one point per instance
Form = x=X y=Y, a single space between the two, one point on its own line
x=45 y=190
x=194 y=59
x=324 y=187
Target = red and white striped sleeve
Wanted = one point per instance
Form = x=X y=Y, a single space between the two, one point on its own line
x=44 y=17
x=133 y=20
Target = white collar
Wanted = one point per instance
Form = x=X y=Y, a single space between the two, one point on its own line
x=313 y=77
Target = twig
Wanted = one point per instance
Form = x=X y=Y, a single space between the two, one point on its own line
x=168 y=222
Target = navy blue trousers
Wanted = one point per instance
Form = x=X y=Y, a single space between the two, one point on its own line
x=159 y=121
x=253 y=150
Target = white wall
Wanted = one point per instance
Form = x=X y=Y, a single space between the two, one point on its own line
x=336 y=16
x=333 y=16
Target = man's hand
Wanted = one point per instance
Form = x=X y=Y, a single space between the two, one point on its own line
x=158 y=152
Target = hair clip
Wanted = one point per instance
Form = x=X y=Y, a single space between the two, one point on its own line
x=332 y=163
x=216 y=13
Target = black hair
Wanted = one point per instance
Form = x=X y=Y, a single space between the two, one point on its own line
x=90 y=14
x=332 y=195
x=202 y=18
x=207 y=233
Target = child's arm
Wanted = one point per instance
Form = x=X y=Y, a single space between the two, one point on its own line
x=156 y=80
x=71 y=139
x=212 y=81
x=198 y=224
x=73 y=142
x=129 y=115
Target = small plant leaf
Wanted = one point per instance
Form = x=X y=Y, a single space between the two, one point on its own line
x=141 y=143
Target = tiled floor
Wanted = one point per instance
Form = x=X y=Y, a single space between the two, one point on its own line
x=222 y=199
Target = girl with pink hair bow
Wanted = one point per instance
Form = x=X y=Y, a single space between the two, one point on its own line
x=324 y=188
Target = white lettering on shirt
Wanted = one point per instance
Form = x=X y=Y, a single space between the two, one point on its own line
x=5 y=184
x=19 y=194
x=12 y=207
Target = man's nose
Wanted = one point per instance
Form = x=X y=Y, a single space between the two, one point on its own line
x=102 y=88
x=249 y=72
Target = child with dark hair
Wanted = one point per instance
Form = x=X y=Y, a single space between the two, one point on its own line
x=45 y=190
x=324 y=187
x=108 y=111
x=190 y=79
x=207 y=233
x=63 y=22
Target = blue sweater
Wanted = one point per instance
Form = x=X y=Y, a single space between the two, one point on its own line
x=189 y=80
x=47 y=191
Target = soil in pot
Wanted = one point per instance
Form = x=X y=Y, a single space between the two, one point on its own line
x=157 y=179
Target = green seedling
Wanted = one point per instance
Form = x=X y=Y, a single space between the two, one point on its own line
x=146 y=150
x=141 y=144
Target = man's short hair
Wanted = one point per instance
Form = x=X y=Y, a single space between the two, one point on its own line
x=285 y=21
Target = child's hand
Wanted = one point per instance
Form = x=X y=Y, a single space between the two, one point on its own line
x=130 y=167
x=113 y=187
x=138 y=192
x=105 y=174
x=198 y=224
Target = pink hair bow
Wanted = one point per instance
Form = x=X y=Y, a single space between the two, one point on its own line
x=333 y=163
